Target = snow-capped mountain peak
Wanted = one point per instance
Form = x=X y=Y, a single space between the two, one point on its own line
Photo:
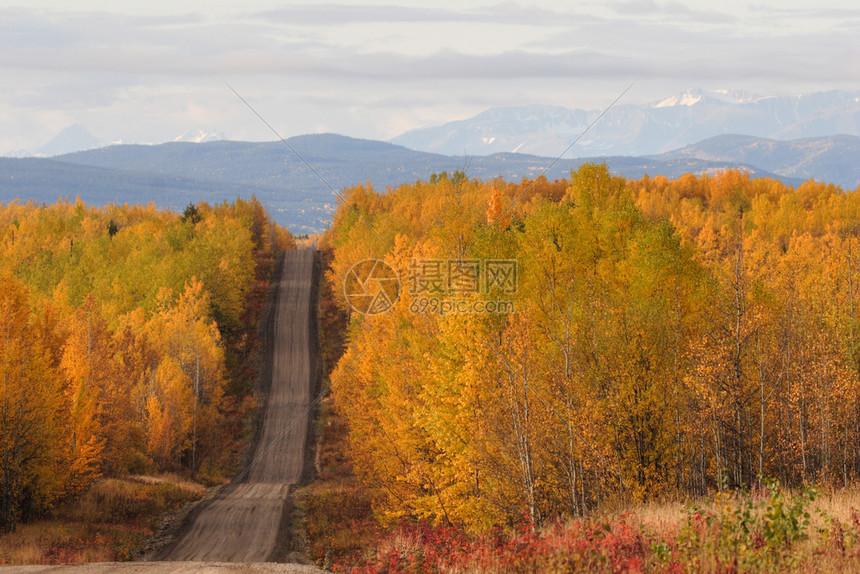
x=687 y=98
x=641 y=129
x=735 y=96
x=199 y=136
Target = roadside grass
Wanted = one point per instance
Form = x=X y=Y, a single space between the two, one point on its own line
x=336 y=509
x=769 y=530
x=111 y=522
x=336 y=522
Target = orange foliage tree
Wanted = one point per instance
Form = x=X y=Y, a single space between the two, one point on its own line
x=117 y=324
x=669 y=337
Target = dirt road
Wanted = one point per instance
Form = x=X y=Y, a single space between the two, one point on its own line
x=165 y=568
x=241 y=523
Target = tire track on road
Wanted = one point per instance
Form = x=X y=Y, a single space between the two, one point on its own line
x=241 y=523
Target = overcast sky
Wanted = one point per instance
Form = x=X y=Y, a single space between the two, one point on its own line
x=149 y=71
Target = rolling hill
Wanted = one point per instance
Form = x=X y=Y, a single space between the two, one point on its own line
x=834 y=159
x=174 y=174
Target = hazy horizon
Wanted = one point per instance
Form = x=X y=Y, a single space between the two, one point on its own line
x=370 y=70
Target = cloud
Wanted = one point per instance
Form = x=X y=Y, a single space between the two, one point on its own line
x=192 y=46
x=509 y=13
x=365 y=67
x=806 y=13
x=514 y=65
x=671 y=10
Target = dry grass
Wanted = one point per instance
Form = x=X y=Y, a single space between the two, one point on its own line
x=658 y=514
x=170 y=478
x=837 y=503
x=840 y=503
x=337 y=513
x=765 y=531
x=111 y=522
x=830 y=542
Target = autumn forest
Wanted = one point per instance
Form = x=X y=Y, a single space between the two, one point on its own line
x=671 y=338
x=662 y=341
x=125 y=343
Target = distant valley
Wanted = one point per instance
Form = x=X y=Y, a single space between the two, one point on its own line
x=174 y=174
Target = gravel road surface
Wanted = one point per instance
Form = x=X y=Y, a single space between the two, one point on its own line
x=240 y=524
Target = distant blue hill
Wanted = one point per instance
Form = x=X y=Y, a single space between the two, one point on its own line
x=834 y=159
x=174 y=174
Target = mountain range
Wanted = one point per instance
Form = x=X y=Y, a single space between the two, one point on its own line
x=78 y=138
x=647 y=129
x=301 y=193
x=834 y=159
